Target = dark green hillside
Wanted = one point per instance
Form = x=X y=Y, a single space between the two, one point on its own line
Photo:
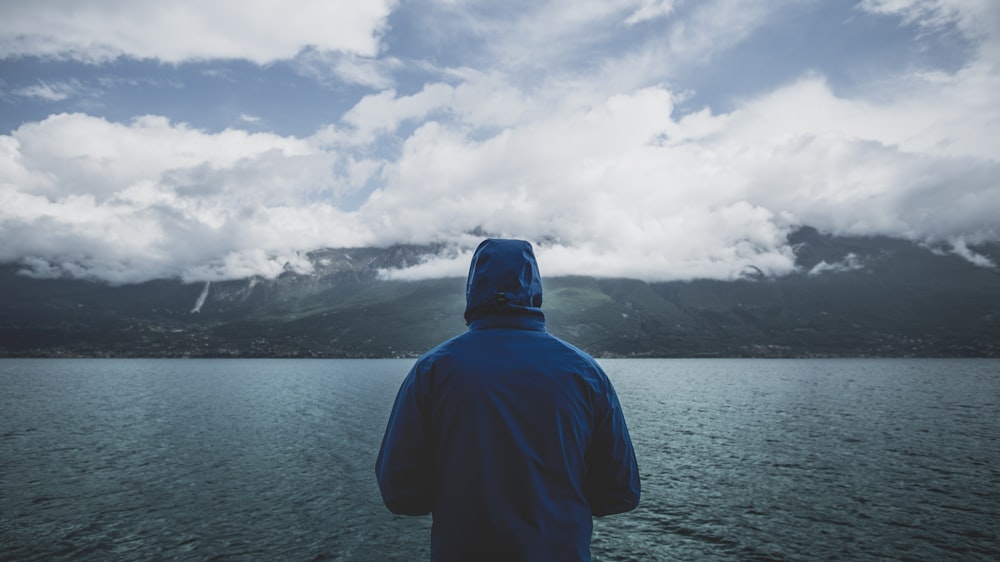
x=865 y=297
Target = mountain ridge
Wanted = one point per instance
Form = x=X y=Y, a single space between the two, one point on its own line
x=851 y=297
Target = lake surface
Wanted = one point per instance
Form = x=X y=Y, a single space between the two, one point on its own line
x=273 y=459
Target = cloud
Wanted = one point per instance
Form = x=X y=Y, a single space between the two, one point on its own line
x=336 y=68
x=961 y=248
x=562 y=40
x=50 y=91
x=626 y=187
x=977 y=20
x=249 y=263
x=127 y=203
x=176 y=32
x=596 y=162
x=630 y=188
x=651 y=9
x=932 y=13
x=526 y=39
x=385 y=111
x=450 y=263
x=851 y=262
x=714 y=26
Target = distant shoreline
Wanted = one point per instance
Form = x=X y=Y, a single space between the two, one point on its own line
x=98 y=355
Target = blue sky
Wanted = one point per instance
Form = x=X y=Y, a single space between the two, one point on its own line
x=658 y=139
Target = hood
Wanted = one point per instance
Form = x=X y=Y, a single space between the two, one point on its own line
x=503 y=280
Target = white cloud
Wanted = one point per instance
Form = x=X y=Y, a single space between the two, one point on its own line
x=714 y=26
x=595 y=47
x=334 y=68
x=155 y=199
x=50 y=91
x=249 y=263
x=969 y=14
x=185 y=30
x=77 y=153
x=624 y=187
x=978 y=20
x=598 y=168
x=651 y=9
x=961 y=248
x=383 y=112
x=629 y=188
x=553 y=39
x=449 y=264
x=851 y=262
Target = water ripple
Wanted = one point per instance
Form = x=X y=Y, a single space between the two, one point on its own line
x=740 y=460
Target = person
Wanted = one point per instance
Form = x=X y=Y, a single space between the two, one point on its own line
x=509 y=437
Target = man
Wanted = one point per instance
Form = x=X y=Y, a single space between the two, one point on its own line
x=510 y=437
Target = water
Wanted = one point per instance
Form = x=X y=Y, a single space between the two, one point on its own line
x=272 y=459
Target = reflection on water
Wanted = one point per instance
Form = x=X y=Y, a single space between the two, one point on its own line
x=272 y=459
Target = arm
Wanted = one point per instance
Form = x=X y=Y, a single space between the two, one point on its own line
x=612 y=472
x=405 y=460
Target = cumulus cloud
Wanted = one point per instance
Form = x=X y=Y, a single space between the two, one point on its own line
x=130 y=202
x=174 y=32
x=630 y=188
x=622 y=188
x=383 y=112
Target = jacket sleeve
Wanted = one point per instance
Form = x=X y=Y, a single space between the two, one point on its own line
x=404 y=466
x=612 y=472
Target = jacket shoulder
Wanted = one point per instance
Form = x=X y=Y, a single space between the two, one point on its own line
x=580 y=354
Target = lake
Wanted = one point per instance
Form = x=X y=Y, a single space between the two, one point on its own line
x=107 y=459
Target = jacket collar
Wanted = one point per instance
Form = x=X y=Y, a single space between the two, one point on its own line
x=519 y=320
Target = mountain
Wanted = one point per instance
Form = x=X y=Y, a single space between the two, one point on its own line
x=851 y=297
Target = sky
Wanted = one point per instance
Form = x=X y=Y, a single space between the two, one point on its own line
x=655 y=139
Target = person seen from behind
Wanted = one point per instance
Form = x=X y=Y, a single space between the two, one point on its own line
x=511 y=438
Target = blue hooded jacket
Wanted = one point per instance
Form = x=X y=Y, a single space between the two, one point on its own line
x=510 y=437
